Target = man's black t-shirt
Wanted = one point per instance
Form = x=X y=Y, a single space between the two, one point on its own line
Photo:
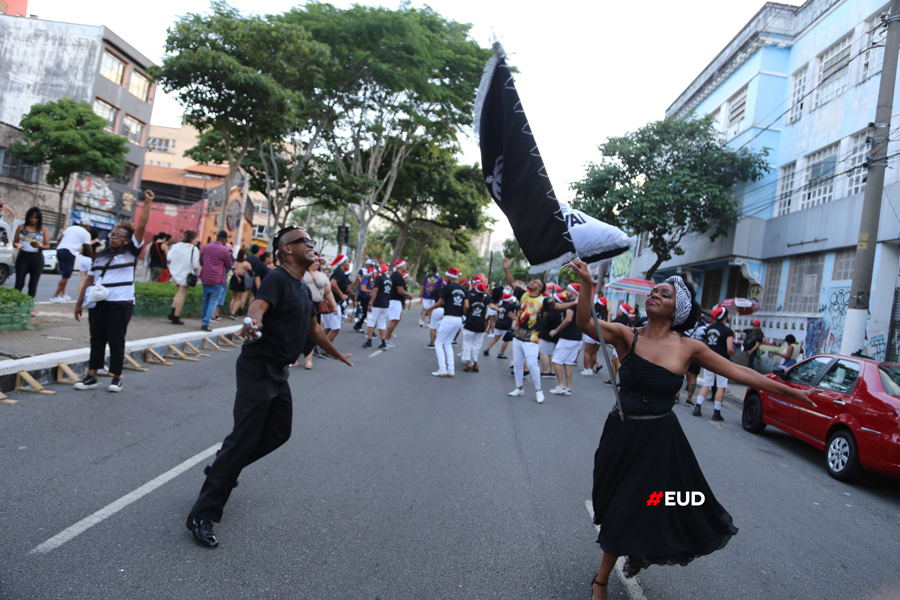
x=571 y=331
x=752 y=339
x=384 y=286
x=504 y=320
x=717 y=336
x=454 y=296
x=552 y=320
x=286 y=323
x=397 y=281
x=342 y=280
x=476 y=318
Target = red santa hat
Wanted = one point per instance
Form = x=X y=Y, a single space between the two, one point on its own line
x=575 y=287
x=480 y=287
x=602 y=301
x=454 y=273
x=625 y=309
x=405 y=275
x=338 y=260
x=464 y=282
x=384 y=268
x=718 y=314
x=399 y=263
x=506 y=297
x=558 y=297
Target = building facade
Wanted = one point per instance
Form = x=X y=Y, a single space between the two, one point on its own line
x=803 y=82
x=43 y=61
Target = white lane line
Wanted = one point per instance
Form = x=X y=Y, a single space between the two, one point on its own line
x=376 y=353
x=110 y=509
x=634 y=589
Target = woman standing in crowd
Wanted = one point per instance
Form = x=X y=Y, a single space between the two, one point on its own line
x=320 y=287
x=113 y=268
x=646 y=449
x=183 y=259
x=791 y=353
x=31 y=238
x=236 y=284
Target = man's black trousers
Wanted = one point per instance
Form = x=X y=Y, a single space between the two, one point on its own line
x=262 y=423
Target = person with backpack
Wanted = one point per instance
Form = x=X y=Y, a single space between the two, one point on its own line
x=431 y=291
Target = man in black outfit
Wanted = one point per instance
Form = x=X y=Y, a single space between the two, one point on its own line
x=398 y=296
x=282 y=312
x=720 y=338
x=379 y=307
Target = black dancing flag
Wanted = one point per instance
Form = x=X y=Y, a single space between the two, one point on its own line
x=550 y=233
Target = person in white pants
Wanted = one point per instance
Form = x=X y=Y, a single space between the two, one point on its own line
x=434 y=323
x=532 y=308
x=455 y=304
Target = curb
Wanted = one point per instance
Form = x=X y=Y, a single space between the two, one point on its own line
x=43 y=367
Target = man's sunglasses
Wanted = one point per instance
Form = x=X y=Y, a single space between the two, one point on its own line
x=304 y=240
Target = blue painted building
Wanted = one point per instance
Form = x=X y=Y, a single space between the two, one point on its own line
x=802 y=81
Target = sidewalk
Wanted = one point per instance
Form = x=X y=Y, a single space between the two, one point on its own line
x=55 y=329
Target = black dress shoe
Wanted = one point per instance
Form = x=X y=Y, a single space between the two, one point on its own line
x=202 y=530
x=207 y=469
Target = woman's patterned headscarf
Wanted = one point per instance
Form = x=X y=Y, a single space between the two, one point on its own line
x=682 y=299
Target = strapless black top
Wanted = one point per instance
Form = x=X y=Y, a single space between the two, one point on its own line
x=646 y=388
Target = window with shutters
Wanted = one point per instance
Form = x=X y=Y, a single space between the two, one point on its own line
x=785 y=189
x=798 y=91
x=804 y=281
x=843 y=265
x=16 y=168
x=820 y=172
x=873 y=56
x=737 y=109
x=773 y=282
x=856 y=161
x=834 y=74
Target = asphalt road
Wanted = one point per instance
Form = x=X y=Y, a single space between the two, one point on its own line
x=398 y=485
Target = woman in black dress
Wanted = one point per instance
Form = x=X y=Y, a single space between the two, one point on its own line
x=647 y=452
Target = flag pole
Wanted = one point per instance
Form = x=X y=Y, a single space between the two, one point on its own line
x=612 y=376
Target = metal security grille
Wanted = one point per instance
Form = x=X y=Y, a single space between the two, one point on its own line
x=893 y=347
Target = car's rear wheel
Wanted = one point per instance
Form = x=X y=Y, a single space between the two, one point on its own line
x=4 y=273
x=842 y=456
x=751 y=420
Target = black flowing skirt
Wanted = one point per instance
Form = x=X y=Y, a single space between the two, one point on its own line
x=635 y=462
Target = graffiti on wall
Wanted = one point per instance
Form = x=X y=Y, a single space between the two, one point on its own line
x=815 y=336
x=834 y=313
x=876 y=346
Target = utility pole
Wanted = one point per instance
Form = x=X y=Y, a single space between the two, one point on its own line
x=854 y=338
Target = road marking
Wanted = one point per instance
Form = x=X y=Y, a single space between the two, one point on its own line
x=110 y=509
x=634 y=589
x=376 y=353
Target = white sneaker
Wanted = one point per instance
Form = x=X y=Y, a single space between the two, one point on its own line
x=540 y=397
x=558 y=390
x=389 y=345
x=66 y=298
x=56 y=299
x=567 y=392
x=516 y=392
x=588 y=372
x=440 y=373
x=116 y=385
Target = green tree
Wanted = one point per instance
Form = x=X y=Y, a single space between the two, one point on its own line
x=433 y=187
x=68 y=136
x=321 y=224
x=669 y=178
x=405 y=77
x=241 y=80
x=513 y=252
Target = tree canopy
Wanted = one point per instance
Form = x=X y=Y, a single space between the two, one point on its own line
x=669 y=178
x=68 y=136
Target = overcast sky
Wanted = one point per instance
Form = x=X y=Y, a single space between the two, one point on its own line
x=589 y=70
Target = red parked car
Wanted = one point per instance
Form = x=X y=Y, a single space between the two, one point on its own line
x=857 y=416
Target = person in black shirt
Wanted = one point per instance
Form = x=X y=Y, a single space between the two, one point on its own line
x=752 y=343
x=474 y=327
x=455 y=303
x=720 y=338
x=281 y=317
x=379 y=306
x=570 y=341
x=340 y=287
x=506 y=309
x=253 y=259
x=363 y=295
x=548 y=339
x=398 y=295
